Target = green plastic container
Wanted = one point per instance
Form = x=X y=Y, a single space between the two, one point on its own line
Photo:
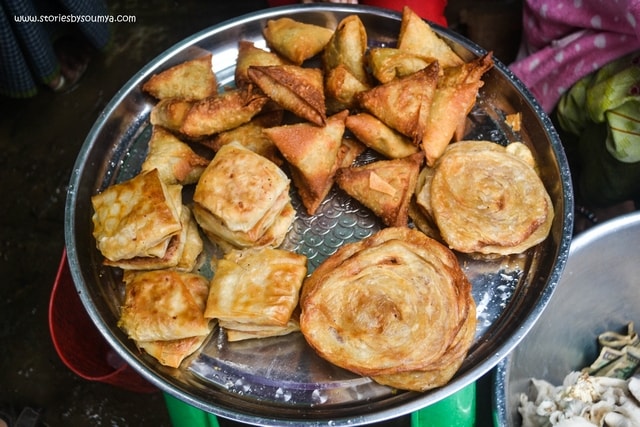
x=184 y=415
x=457 y=410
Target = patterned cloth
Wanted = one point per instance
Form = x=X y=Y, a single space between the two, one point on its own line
x=564 y=40
x=602 y=112
x=27 y=57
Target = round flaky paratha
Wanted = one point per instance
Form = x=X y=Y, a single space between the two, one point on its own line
x=393 y=305
x=488 y=199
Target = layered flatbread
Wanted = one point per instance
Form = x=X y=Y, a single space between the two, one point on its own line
x=394 y=305
x=487 y=200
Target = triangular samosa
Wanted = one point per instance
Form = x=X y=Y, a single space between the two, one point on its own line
x=384 y=186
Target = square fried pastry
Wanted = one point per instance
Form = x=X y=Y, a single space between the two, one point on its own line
x=176 y=162
x=137 y=218
x=258 y=286
x=297 y=41
x=313 y=153
x=182 y=252
x=296 y=89
x=384 y=186
x=164 y=305
x=189 y=80
x=240 y=196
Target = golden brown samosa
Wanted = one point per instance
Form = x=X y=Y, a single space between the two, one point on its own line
x=454 y=98
x=170 y=113
x=313 y=152
x=296 y=89
x=404 y=103
x=226 y=111
x=387 y=63
x=347 y=47
x=297 y=41
x=384 y=186
x=417 y=37
x=248 y=55
x=190 y=80
x=376 y=135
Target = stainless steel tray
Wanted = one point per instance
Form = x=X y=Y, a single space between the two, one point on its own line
x=280 y=381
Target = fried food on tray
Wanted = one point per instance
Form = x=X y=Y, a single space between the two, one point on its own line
x=223 y=112
x=294 y=40
x=487 y=200
x=182 y=252
x=176 y=162
x=439 y=373
x=454 y=98
x=190 y=80
x=349 y=151
x=172 y=353
x=256 y=291
x=347 y=47
x=417 y=37
x=395 y=306
x=296 y=89
x=164 y=305
x=313 y=154
x=404 y=104
x=373 y=133
x=384 y=186
x=237 y=331
x=136 y=218
x=170 y=113
x=341 y=88
x=248 y=55
x=387 y=63
x=240 y=196
x=250 y=136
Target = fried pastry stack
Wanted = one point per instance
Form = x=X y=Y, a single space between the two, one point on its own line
x=254 y=292
x=242 y=200
x=395 y=306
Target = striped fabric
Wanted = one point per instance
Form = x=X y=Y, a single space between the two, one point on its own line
x=27 y=58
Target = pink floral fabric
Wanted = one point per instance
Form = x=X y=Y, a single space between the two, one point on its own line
x=564 y=40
